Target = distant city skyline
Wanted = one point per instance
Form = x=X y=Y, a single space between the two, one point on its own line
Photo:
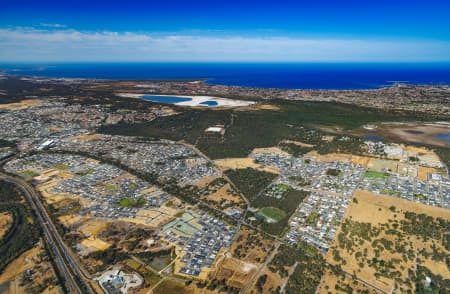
x=270 y=31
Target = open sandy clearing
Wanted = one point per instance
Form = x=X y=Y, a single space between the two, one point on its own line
x=21 y=104
x=6 y=220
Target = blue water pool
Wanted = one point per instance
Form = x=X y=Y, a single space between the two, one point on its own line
x=209 y=103
x=444 y=137
x=166 y=99
x=372 y=137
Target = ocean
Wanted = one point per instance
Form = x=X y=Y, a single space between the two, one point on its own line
x=265 y=75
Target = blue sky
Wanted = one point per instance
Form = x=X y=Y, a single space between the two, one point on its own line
x=230 y=30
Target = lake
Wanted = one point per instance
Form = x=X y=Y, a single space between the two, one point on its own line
x=444 y=137
x=166 y=99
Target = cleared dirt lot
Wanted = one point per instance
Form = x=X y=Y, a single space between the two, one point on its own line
x=236 y=272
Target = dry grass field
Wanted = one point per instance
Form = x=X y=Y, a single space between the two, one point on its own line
x=6 y=220
x=332 y=283
x=377 y=242
x=235 y=272
x=251 y=246
x=21 y=104
x=43 y=275
x=224 y=193
x=272 y=283
x=236 y=163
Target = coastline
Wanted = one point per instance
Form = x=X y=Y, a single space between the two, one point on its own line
x=286 y=76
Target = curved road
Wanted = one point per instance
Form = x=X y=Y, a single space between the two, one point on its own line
x=75 y=278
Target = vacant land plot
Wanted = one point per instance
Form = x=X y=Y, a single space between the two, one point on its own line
x=251 y=246
x=235 y=272
x=236 y=163
x=171 y=286
x=382 y=238
x=341 y=283
x=6 y=219
x=93 y=244
x=21 y=104
x=43 y=279
x=224 y=198
x=355 y=159
x=267 y=282
x=150 y=278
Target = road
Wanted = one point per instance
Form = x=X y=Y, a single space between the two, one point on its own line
x=266 y=262
x=75 y=279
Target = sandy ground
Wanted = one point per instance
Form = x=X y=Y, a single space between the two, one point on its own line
x=244 y=162
x=94 y=244
x=275 y=150
x=330 y=280
x=252 y=253
x=28 y=260
x=355 y=159
x=196 y=100
x=5 y=222
x=377 y=164
x=236 y=272
x=88 y=137
x=259 y=107
x=93 y=226
x=223 y=193
x=298 y=143
x=21 y=105
x=19 y=265
x=236 y=163
x=272 y=283
x=204 y=181
x=375 y=201
x=374 y=209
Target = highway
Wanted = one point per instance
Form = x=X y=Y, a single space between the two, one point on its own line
x=75 y=278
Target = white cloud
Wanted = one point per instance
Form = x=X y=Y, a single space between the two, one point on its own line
x=31 y=44
x=53 y=25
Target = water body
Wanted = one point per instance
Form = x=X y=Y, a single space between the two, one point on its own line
x=444 y=137
x=264 y=75
x=209 y=103
x=372 y=137
x=166 y=99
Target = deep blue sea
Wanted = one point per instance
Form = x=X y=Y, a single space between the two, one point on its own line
x=266 y=75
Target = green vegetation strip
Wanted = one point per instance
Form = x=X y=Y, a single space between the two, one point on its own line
x=29 y=173
x=130 y=202
x=246 y=130
x=376 y=174
x=23 y=233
